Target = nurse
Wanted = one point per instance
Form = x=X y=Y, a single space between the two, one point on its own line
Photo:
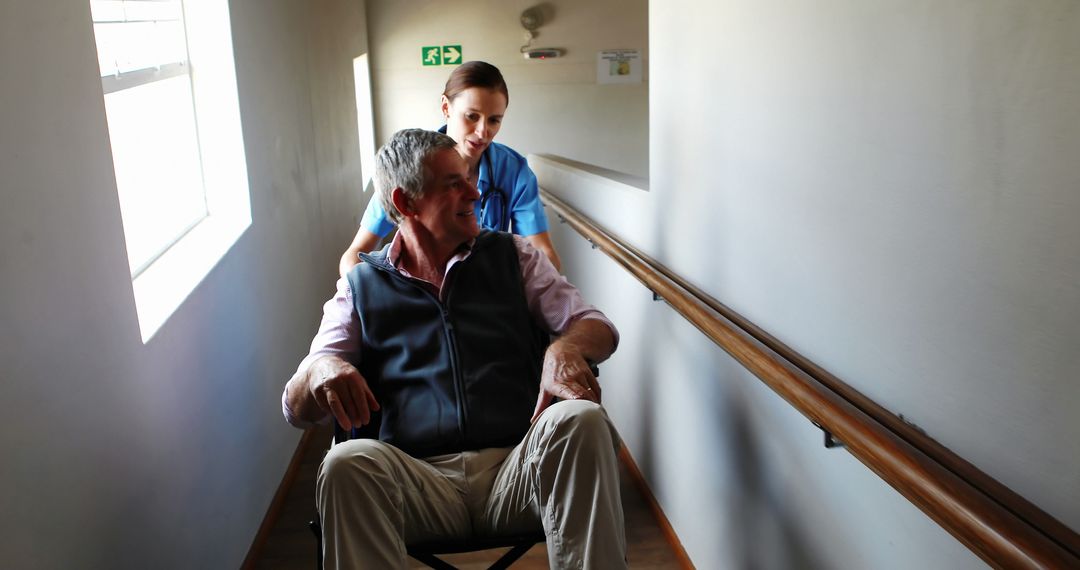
x=473 y=104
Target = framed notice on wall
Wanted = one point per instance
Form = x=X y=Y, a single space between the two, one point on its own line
x=618 y=66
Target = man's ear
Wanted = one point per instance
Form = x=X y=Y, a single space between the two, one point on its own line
x=445 y=107
x=402 y=202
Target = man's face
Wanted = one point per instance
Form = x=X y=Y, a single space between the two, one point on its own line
x=448 y=207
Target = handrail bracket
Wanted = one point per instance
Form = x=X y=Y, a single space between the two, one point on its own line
x=830 y=440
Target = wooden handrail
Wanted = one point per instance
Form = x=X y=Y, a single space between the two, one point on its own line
x=1000 y=526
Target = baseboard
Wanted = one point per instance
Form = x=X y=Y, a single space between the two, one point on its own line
x=657 y=512
x=278 y=501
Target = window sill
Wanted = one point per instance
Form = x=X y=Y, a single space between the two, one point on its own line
x=162 y=287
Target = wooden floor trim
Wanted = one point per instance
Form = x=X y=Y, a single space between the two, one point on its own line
x=654 y=506
x=276 y=505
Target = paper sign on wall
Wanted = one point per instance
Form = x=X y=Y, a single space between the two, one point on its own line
x=618 y=66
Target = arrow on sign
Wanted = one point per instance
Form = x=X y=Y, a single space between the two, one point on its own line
x=451 y=54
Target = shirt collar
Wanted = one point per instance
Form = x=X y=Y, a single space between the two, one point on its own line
x=483 y=178
x=393 y=255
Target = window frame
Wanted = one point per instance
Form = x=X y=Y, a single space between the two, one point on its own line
x=161 y=285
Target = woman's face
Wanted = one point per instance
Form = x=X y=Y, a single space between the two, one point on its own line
x=473 y=119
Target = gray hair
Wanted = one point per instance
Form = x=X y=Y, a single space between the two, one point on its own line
x=401 y=163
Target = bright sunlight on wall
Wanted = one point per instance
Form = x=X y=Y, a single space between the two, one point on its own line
x=365 y=120
x=169 y=84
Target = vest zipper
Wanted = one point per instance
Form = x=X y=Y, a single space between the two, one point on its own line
x=451 y=340
x=459 y=384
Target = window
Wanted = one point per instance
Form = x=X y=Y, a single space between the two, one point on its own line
x=364 y=119
x=145 y=76
x=169 y=85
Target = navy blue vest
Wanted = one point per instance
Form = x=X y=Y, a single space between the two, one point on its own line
x=456 y=375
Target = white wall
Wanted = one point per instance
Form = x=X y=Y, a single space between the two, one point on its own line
x=556 y=106
x=888 y=187
x=891 y=189
x=165 y=455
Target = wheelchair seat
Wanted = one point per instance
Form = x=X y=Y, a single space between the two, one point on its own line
x=428 y=552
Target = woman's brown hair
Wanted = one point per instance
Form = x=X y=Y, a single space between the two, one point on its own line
x=475 y=74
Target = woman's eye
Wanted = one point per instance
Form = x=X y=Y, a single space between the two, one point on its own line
x=472 y=117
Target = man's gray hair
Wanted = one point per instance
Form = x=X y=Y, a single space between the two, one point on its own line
x=401 y=163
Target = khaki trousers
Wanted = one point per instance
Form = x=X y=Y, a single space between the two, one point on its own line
x=563 y=477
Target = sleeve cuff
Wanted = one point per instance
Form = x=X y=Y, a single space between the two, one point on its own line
x=598 y=316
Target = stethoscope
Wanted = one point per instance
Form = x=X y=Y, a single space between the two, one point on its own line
x=494 y=205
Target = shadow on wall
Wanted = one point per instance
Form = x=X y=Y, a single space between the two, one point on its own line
x=767 y=537
x=744 y=496
x=650 y=430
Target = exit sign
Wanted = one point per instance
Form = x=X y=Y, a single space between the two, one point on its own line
x=440 y=55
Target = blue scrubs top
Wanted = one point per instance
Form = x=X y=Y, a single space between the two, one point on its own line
x=509 y=198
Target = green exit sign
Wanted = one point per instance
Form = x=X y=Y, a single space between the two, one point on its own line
x=440 y=55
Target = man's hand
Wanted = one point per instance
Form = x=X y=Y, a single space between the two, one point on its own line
x=566 y=375
x=340 y=389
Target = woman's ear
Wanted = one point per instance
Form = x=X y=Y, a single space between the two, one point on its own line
x=402 y=202
x=445 y=107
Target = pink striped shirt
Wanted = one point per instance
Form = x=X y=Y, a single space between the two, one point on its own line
x=552 y=300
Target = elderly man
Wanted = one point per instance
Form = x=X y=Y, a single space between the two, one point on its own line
x=444 y=331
